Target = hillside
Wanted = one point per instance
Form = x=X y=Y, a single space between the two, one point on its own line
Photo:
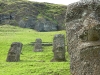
x=34 y=15
x=31 y=63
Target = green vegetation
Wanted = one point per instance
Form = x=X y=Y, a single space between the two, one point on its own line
x=20 y=9
x=32 y=63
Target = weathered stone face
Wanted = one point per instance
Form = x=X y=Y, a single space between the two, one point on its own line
x=59 y=47
x=14 y=52
x=38 y=45
x=83 y=32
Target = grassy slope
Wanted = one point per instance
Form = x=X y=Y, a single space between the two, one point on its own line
x=31 y=62
x=32 y=11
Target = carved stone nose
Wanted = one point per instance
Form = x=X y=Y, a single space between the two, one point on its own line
x=93 y=35
x=90 y=23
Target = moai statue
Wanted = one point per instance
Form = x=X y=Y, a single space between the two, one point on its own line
x=83 y=37
x=38 y=45
x=14 y=52
x=59 y=48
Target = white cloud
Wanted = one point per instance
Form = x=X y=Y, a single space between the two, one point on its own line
x=65 y=2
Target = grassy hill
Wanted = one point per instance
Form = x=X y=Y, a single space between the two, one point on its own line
x=28 y=14
x=32 y=63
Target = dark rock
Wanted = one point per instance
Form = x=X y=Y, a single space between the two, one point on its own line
x=4 y=17
x=45 y=26
x=38 y=45
x=28 y=22
x=14 y=52
x=83 y=32
x=59 y=48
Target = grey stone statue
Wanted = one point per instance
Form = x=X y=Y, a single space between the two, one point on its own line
x=83 y=37
x=59 y=48
x=38 y=45
x=14 y=52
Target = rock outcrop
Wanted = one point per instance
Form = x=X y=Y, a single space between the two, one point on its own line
x=34 y=15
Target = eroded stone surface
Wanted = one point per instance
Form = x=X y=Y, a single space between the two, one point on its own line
x=59 y=48
x=83 y=32
x=38 y=45
x=14 y=52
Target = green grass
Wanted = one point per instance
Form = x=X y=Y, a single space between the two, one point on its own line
x=31 y=63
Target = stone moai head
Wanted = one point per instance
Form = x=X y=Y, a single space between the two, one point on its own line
x=59 y=48
x=83 y=37
x=14 y=52
x=38 y=45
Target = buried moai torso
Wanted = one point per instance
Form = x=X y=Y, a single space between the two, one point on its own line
x=38 y=45
x=83 y=37
x=14 y=52
x=59 y=48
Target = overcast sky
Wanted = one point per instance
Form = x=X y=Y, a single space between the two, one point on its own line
x=65 y=2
